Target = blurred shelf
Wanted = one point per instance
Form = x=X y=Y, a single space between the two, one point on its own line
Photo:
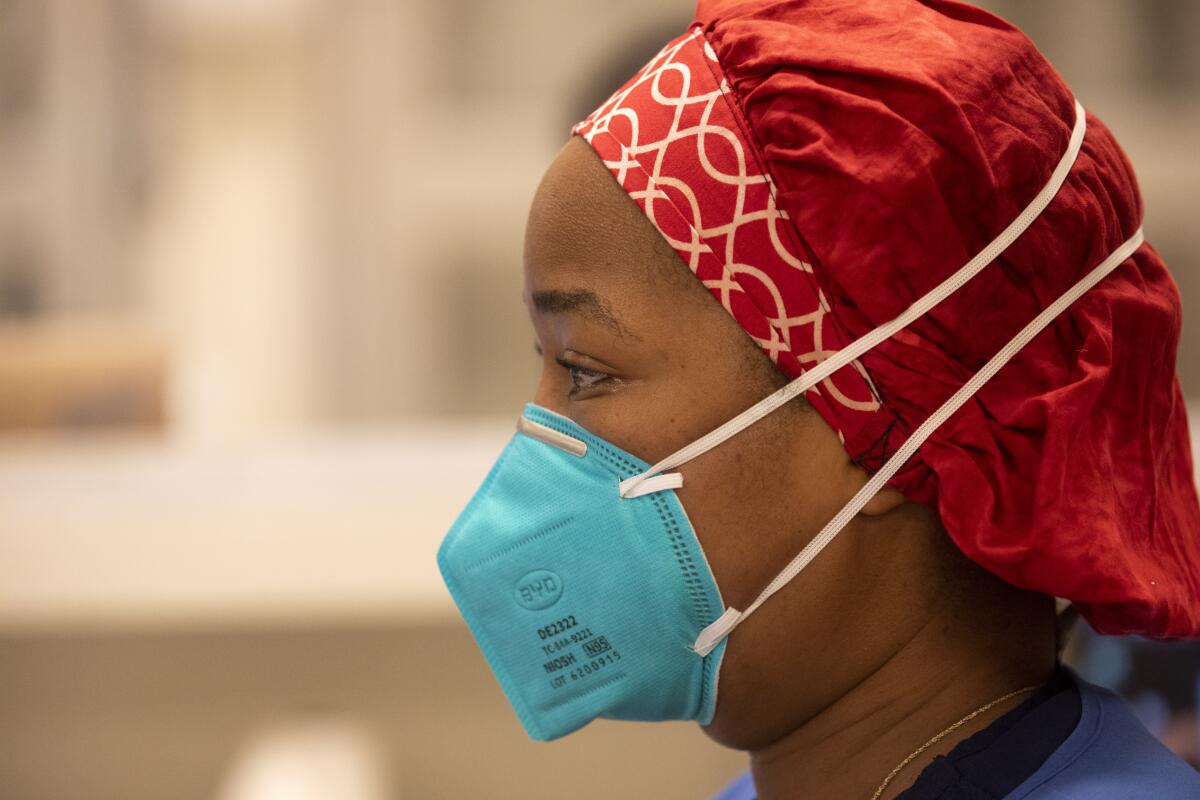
x=113 y=533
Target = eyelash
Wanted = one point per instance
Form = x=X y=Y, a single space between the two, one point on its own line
x=583 y=378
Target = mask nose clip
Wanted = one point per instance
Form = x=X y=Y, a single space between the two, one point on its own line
x=547 y=435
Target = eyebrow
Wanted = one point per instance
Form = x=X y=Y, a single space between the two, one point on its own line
x=578 y=301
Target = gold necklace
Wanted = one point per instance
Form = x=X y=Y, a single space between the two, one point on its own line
x=945 y=733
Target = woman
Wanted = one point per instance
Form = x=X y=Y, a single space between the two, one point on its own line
x=862 y=288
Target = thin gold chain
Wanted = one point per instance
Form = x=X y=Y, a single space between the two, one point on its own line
x=945 y=733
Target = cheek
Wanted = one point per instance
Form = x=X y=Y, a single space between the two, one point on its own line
x=755 y=502
x=748 y=508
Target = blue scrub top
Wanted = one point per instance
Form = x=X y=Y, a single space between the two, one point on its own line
x=1107 y=755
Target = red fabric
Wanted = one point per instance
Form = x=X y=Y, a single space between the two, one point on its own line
x=821 y=164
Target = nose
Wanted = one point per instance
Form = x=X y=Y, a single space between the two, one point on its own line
x=550 y=392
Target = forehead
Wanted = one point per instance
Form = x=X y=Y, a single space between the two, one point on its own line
x=584 y=229
x=586 y=235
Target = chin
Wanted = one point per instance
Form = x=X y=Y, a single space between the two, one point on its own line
x=740 y=729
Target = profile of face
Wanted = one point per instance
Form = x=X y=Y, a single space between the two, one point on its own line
x=637 y=350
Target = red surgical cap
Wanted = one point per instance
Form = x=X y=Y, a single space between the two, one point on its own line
x=821 y=164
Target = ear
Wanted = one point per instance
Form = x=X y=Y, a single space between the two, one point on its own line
x=886 y=500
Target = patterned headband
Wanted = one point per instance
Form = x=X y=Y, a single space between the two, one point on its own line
x=677 y=143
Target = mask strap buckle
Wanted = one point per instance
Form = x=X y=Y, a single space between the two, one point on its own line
x=638 y=486
x=715 y=633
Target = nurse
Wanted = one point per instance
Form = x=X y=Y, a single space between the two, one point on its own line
x=854 y=359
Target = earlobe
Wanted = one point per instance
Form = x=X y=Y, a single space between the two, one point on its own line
x=885 y=500
x=888 y=499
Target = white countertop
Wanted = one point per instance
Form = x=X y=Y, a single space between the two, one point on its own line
x=338 y=527
x=334 y=527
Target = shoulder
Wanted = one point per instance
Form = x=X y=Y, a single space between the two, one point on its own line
x=1110 y=756
x=741 y=788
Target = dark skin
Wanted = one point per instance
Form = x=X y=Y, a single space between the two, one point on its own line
x=886 y=638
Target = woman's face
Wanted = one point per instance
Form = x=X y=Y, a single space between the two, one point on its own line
x=637 y=351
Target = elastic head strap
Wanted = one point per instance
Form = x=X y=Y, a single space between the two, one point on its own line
x=829 y=366
x=711 y=636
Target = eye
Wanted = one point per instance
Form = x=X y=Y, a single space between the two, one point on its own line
x=585 y=378
x=582 y=378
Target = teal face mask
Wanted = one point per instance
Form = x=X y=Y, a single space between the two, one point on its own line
x=585 y=603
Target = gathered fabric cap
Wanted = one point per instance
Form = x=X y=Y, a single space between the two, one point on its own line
x=821 y=164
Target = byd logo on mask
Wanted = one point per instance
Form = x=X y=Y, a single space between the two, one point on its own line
x=538 y=589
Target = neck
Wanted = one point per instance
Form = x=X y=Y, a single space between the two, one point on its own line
x=949 y=667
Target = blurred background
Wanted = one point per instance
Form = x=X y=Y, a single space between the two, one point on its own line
x=261 y=336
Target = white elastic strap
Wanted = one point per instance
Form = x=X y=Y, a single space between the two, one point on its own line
x=856 y=348
x=656 y=483
x=721 y=627
x=711 y=636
